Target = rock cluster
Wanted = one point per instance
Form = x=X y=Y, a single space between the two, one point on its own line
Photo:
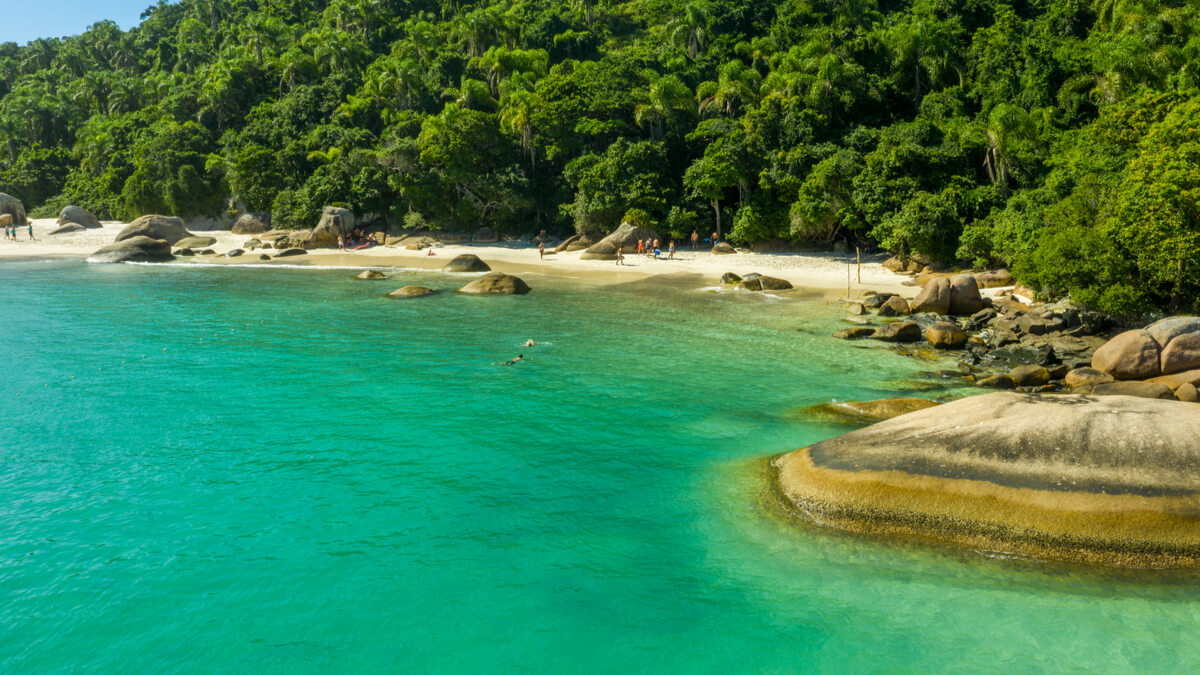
x=168 y=228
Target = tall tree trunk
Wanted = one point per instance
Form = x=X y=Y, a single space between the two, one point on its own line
x=716 y=204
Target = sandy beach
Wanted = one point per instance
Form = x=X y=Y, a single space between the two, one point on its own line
x=830 y=274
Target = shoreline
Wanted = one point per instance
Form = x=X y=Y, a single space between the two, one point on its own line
x=823 y=273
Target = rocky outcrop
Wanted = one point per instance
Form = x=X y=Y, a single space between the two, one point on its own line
x=723 y=248
x=496 y=283
x=865 y=412
x=252 y=223
x=466 y=262
x=78 y=216
x=762 y=283
x=898 y=331
x=11 y=206
x=168 y=228
x=335 y=222
x=290 y=252
x=1181 y=353
x=370 y=275
x=994 y=279
x=1086 y=377
x=1000 y=381
x=195 y=242
x=730 y=278
x=1031 y=375
x=133 y=249
x=1102 y=479
x=410 y=292
x=1133 y=388
x=603 y=250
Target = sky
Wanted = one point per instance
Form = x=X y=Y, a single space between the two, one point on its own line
x=27 y=20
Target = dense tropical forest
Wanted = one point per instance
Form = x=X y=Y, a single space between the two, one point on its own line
x=1060 y=137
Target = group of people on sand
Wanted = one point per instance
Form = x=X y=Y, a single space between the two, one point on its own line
x=648 y=246
x=357 y=240
x=10 y=232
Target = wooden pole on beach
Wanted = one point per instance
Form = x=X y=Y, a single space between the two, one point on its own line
x=847 y=281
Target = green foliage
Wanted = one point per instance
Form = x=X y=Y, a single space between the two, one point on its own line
x=990 y=132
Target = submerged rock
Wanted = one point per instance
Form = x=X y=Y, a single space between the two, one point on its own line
x=898 y=331
x=865 y=412
x=761 y=283
x=410 y=292
x=371 y=275
x=1089 y=479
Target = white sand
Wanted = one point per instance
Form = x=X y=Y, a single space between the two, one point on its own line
x=827 y=273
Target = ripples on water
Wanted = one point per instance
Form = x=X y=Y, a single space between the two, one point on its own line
x=206 y=469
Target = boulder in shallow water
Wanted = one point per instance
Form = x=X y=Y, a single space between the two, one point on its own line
x=410 y=292
x=898 y=331
x=1091 y=479
x=730 y=278
x=134 y=249
x=167 y=228
x=466 y=262
x=894 y=306
x=965 y=299
x=1000 y=381
x=496 y=283
x=370 y=275
x=76 y=215
x=857 y=333
x=946 y=335
x=761 y=283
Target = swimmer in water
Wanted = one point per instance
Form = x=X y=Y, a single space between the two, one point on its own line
x=520 y=357
x=530 y=343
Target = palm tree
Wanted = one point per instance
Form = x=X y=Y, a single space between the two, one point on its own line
x=692 y=28
x=736 y=85
x=668 y=96
x=1007 y=125
x=517 y=117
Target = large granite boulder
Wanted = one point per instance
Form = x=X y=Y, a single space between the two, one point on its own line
x=1132 y=355
x=168 y=228
x=603 y=250
x=290 y=252
x=466 y=262
x=1181 y=353
x=864 y=412
x=133 y=249
x=11 y=206
x=1086 y=377
x=626 y=236
x=252 y=223
x=964 y=295
x=1030 y=375
x=496 y=283
x=370 y=275
x=1105 y=480
x=994 y=279
x=335 y=221
x=195 y=242
x=898 y=331
x=934 y=298
x=78 y=215
x=723 y=248
x=1165 y=330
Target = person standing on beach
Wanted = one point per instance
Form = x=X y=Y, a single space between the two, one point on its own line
x=620 y=257
x=695 y=238
x=31 y=230
x=641 y=247
x=541 y=250
x=342 y=243
x=671 y=250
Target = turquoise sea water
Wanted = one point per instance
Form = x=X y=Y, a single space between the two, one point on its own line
x=279 y=470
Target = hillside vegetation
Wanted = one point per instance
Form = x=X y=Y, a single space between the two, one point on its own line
x=1060 y=137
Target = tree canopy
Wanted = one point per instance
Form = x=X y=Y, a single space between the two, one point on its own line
x=1055 y=136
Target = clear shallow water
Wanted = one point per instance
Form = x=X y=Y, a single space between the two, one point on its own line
x=280 y=470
